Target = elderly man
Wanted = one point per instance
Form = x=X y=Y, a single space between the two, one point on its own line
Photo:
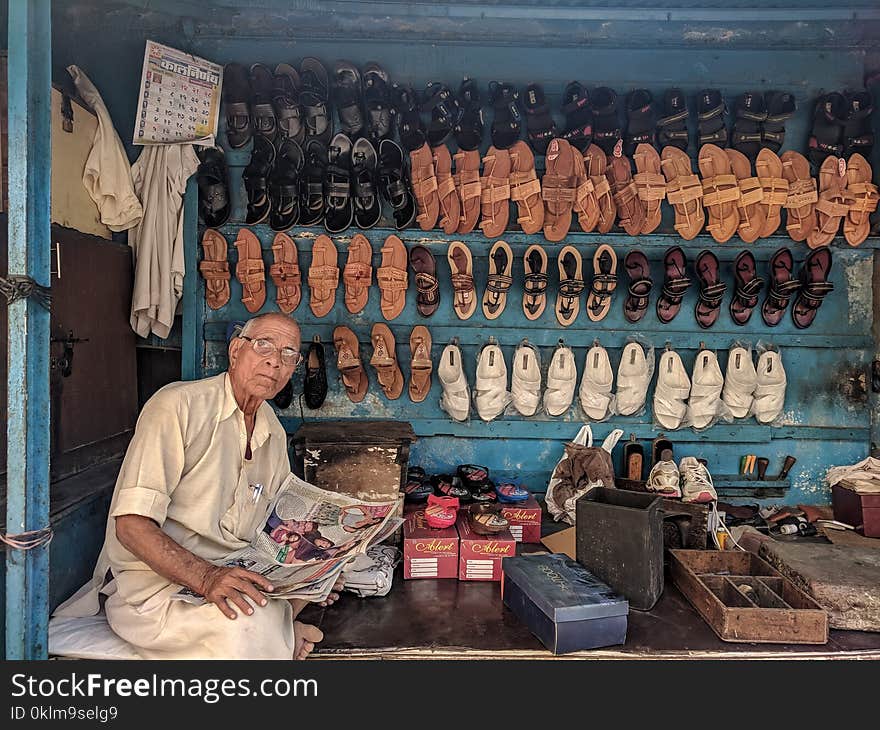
x=188 y=493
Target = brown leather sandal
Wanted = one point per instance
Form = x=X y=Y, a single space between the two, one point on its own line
x=586 y=205
x=720 y=192
x=833 y=206
x=800 y=205
x=427 y=287
x=424 y=186
x=461 y=264
x=470 y=190
x=358 y=273
x=285 y=273
x=250 y=271
x=384 y=360
x=631 y=212
x=420 y=364
x=775 y=187
x=486 y=519
x=323 y=276
x=650 y=184
x=393 y=277
x=595 y=164
x=348 y=362
x=525 y=190
x=215 y=268
x=752 y=216
x=559 y=189
x=450 y=205
x=495 y=196
x=499 y=281
x=864 y=200
x=684 y=191
x=535 y=284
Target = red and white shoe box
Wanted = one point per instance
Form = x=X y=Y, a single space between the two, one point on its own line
x=525 y=519
x=480 y=555
x=428 y=552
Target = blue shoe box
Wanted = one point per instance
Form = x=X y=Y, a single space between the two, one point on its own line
x=564 y=605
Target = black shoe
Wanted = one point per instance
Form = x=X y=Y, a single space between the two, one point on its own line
x=256 y=180
x=237 y=105
x=315 y=380
x=213 y=181
x=263 y=118
x=284 y=397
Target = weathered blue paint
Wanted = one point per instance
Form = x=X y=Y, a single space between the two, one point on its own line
x=193 y=301
x=27 y=508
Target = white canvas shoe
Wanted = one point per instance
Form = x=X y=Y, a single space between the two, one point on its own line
x=596 y=382
x=696 y=481
x=673 y=388
x=739 y=382
x=664 y=479
x=633 y=378
x=490 y=390
x=770 y=388
x=561 y=380
x=706 y=384
x=525 y=381
x=456 y=398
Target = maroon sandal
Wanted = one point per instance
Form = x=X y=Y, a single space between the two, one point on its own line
x=640 y=285
x=783 y=285
x=748 y=286
x=814 y=287
x=711 y=289
x=675 y=285
x=422 y=262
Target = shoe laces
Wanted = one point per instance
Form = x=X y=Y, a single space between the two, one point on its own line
x=697 y=476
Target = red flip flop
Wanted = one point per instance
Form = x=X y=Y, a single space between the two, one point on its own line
x=441 y=511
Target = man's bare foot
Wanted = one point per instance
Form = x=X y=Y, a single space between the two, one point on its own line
x=305 y=638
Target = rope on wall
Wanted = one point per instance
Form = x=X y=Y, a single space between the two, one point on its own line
x=22 y=287
x=28 y=540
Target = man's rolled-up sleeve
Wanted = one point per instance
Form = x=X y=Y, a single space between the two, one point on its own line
x=154 y=461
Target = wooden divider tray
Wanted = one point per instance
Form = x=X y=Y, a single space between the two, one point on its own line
x=745 y=599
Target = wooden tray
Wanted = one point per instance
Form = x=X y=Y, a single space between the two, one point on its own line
x=745 y=599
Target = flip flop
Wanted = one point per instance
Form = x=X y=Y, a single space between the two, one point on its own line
x=215 y=268
x=595 y=164
x=559 y=189
x=578 y=116
x=424 y=186
x=358 y=273
x=420 y=363
x=561 y=381
x=800 y=205
x=633 y=379
x=421 y=260
x=833 y=205
x=596 y=383
x=814 y=287
x=640 y=286
x=782 y=287
x=535 y=284
x=539 y=122
x=651 y=185
x=752 y=217
x=721 y=192
x=456 y=395
x=748 y=287
x=469 y=188
x=392 y=277
x=525 y=382
x=708 y=306
x=462 y=268
x=450 y=205
x=631 y=211
x=441 y=512
x=571 y=284
x=285 y=273
x=674 y=286
x=486 y=519
x=323 y=276
x=491 y=396
x=499 y=280
x=495 y=195
x=684 y=191
x=348 y=362
x=237 y=105
x=525 y=190
x=863 y=193
x=768 y=166
x=384 y=360
x=672 y=391
x=250 y=271
x=604 y=283
x=739 y=382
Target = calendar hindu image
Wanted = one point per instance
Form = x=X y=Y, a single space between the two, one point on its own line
x=179 y=98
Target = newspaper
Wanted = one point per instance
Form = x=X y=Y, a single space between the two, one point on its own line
x=309 y=536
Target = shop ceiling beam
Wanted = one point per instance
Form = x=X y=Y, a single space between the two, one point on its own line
x=27 y=502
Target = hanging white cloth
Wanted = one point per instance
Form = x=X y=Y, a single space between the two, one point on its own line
x=107 y=175
x=159 y=176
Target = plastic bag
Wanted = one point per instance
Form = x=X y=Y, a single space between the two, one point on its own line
x=705 y=407
x=671 y=392
x=769 y=402
x=739 y=380
x=597 y=380
x=634 y=377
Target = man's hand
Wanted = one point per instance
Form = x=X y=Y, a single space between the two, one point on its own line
x=224 y=586
x=334 y=595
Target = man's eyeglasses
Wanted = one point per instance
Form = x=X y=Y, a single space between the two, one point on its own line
x=265 y=348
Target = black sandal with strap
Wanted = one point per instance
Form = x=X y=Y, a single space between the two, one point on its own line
x=377 y=100
x=212 y=178
x=507 y=122
x=710 y=119
x=857 y=134
x=748 y=287
x=569 y=291
x=672 y=126
x=535 y=283
x=367 y=207
x=409 y=121
x=783 y=287
x=498 y=285
x=285 y=99
x=439 y=100
x=284 y=186
x=314 y=99
x=829 y=121
x=394 y=184
x=262 y=112
x=469 y=128
x=578 y=116
x=606 y=123
x=814 y=287
x=256 y=180
x=780 y=108
x=337 y=185
x=640 y=121
x=750 y=112
x=539 y=122
x=348 y=98
x=640 y=286
x=236 y=105
x=675 y=284
x=712 y=289
x=312 y=183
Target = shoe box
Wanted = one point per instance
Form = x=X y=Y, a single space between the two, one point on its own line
x=563 y=604
x=480 y=556
x=525 y=519
x=428 y=552
x=862 y=511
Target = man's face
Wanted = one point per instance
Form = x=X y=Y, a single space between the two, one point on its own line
x=263 y=376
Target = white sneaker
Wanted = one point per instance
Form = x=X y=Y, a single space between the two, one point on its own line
x=490 y=390
x=561 y=379
x=706 y=384
x=770 y=388
x=673 y=388
x=525 y=382
x=456 y=399
x=739 y=382
x=664 y=479
x=633 y=378
x=598 y=377
x=696 y=481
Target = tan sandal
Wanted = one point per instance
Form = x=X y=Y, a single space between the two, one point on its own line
x=768 y=166
x=348 y=362
x=358 y=273
x=535 y=285
x=469 y=188
x=721 y=192
x=559 y=189
x=285 y=273
x=595 y=164
x=800 y=205
x=384 y=360
x=392 y=277
x=571 y=285
x=752 y=216
x=323 y=276
x=250 y=271
x=461 y=264
x=650 y=183
x=215 y=268
x=420 y=363
x=631 y=212
x=833 y=206
x=684 y=191
x=495 y=195
x=424 y=187
x=604 y=282
x=525 y=190
x=499 y=281
x=864 y=197
x=450 y=205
